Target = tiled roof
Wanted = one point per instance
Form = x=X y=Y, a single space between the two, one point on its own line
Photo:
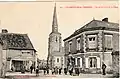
x=96 y=25
x=16 y=41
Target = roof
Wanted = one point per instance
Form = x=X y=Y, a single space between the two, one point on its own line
x=16 y=41
x=96 y=25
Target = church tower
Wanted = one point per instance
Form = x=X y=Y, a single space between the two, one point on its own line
x=55 y=36
x=54 y=42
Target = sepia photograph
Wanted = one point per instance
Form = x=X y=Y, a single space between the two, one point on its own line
x=51 y=39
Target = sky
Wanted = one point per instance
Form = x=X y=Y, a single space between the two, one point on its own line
x=35 y=18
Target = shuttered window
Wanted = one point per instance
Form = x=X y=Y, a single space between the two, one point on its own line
x=108 y=41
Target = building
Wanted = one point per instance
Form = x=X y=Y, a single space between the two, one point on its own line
x=55 y=53
x=17 y=50
x=91 y=45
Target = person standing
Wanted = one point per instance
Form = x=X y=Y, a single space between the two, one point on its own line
x=37 y=71
x=47 y=70
x=103 y=68
x=78 y=71
x=65 y=71
x=31 y=68
x=53 y=71
x=44 y=70
x=60 y=71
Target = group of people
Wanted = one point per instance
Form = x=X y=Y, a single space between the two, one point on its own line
x=56 y=70
x=37 y=69
x=71 y=70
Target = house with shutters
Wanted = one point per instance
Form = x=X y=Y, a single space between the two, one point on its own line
x=91 y=45
x=17 y=50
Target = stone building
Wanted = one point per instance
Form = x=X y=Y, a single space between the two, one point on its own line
x=55 y=49
x=91 y=45
x=17 y=50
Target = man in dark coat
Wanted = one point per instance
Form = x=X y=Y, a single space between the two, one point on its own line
x=65 y=71
x=60 y=71
x=44 y=70
x=103 y=68
x=31 y=68
x=37 y=71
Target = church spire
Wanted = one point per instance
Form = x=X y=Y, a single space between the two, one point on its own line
x=54 y=23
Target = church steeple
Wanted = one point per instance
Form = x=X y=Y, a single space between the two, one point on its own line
x=54 y=22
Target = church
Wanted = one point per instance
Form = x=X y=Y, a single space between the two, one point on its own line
x=55 y=49
x=91 y=45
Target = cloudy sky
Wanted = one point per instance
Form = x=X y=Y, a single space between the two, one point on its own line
x=35 y=18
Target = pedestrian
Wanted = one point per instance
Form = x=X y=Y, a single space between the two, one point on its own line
x=47 y=70
x=103 y=68
x=70 y=70
x=31 y=68
x=65 y=71
x=60 y=71
x=37 y=71
x=52 y=71
x=44 y=70
x=78 y=71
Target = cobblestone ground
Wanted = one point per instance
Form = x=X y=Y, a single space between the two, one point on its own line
x=18 y=75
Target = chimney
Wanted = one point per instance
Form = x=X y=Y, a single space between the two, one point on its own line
x=4 y=31
x=105 y=19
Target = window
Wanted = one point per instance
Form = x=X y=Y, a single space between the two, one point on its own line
x=92 y=62
x=57 y=59
x=92 y=41
x=108 y=41
x=70 y=44
x=78 y=44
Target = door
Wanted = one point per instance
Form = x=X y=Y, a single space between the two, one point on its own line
x=17 y=65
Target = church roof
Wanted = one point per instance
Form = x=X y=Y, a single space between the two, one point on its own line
x=54 y=22
x=96 y=25
x=16 y=41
